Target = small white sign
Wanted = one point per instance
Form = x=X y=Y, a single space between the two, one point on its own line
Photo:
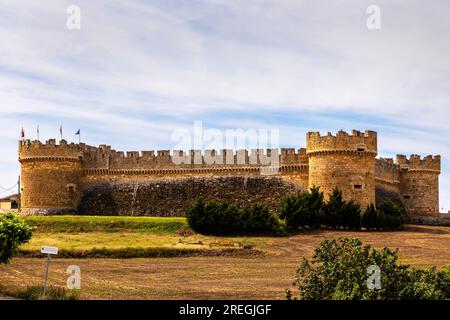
x=49 y=250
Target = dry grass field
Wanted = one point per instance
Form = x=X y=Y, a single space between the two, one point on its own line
x=224 y=277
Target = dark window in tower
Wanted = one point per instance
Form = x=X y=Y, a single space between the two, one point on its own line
x=357 y=186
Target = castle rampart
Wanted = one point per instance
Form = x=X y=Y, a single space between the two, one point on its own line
x=69 y=177
x=345 y=161
x=419 y=184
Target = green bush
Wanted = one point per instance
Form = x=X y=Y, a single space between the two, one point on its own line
x=351 y=216
x=302 y=209
x=370 y=218
x=394 y=215
x=333 y=209
x=257 y=219
x=13 y=233
x=388 y=216
x=224 y=218
x=341 y=214
x=338 y=270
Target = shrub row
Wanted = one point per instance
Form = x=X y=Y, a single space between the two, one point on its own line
x=225 y=218
x=304 y=209
x=308 y=209
x=388 y=215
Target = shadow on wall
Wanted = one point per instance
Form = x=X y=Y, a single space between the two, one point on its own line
x=172 y=197
x=384 y=195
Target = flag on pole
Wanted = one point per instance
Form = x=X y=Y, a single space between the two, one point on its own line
x=61 y=131
x=77 y=133
x=37 y=132
x=22 y=134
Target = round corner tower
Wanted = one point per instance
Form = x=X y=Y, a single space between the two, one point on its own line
x=345 y=161
x=419 y=184
x=50 y=177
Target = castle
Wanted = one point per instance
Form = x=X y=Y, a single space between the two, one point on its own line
x=77 y=178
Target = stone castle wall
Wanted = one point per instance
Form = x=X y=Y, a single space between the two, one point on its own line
x=346 y=161
x=170 y=196
x=77 y=178
x=419 y=184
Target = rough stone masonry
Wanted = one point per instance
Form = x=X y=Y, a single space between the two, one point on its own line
x=80 y=179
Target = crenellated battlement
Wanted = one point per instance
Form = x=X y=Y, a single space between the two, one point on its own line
x=49 y=150
x=342 y=142
x=104 y=156
x=416 y=163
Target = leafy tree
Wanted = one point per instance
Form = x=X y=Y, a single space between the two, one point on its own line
x=257 y=218
x=302 y=209
x=388 y=215
x=315 y=202
x=334 y=209
x=13 y=233
x=224 y=218
x=351 y=216
x=394 y=215
x=369 y=218
x=338 y=270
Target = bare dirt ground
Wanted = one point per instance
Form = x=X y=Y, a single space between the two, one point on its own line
x=257 y=277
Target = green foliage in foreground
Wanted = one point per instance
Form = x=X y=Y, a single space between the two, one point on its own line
x=75 y=224
x=338 y=270
x=223 y=218
x=13 y=233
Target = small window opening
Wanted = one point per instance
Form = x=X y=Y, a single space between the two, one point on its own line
x=14 y=204
x=361 y=149
x=407 y=196
x=358 y=186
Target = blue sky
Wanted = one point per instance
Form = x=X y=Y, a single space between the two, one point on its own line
x=138 y=70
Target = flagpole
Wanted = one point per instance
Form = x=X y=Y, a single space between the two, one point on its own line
x=78 y=133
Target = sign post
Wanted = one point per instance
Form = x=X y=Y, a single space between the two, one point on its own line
x=49 y=251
